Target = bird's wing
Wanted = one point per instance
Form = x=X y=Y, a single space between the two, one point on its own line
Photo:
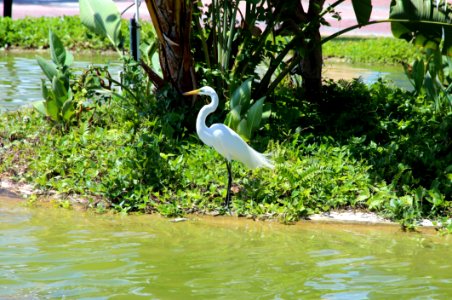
x=231 y=146
x=228 y=143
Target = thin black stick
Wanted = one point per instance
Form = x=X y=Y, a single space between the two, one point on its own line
x=228 y=194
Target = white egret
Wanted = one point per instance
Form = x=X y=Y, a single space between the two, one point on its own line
x=225 y=140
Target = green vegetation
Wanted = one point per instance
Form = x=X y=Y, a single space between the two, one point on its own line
x=372 y=147
x=58 y=104
x=371 y=50
x=129 y=141
x=33 y=33
x=245 y=115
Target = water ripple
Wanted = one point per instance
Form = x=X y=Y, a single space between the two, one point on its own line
x=59 y=253
x=21 y=78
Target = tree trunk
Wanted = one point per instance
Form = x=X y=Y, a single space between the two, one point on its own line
x=311 y=64
x=172 y=21
x=311 y=70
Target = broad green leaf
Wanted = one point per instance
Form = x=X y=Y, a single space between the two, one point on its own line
x=418 y=74
x=59 y=91
x=363 y=10
x=435 y=65
x=254 y=115
x=429 y=86
x=102 y=17
x=40 y=107
x=67 y=111
x=228 y=120
x=418 y=30
x=267 y=111
x=156 y=64
x=244 y=130
x=233 y=117
x=52 y=109
x=57 y=51
x=64 y=78
x=145 y=49
x=48 y=68
x=242 y=95
x=45 y=90
x=69 y=59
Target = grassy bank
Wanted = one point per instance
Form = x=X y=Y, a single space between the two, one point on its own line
x=370 y=50
x=32 y=33
x=377 y=149
x=369 y=147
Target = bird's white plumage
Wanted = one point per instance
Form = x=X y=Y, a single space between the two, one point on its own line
x=223 y=139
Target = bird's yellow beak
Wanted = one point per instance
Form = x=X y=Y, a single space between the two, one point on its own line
x=194 y=92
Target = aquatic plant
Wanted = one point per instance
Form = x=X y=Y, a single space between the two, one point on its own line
x=58 y=104
x=245 y=114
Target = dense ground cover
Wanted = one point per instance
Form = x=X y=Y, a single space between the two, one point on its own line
x=33 y=33
x=377 y=148
x=370 y=50
x=382 y=150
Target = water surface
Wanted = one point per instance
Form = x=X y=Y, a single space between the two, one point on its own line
x=48 y=253
x=393 y=74
x=20 y=75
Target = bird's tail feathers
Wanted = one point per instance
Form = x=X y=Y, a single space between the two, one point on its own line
x=259 y=160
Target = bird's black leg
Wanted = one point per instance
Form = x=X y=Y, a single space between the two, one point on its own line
x=228 y=194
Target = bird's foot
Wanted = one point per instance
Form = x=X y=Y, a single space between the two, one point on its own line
x=226 y=208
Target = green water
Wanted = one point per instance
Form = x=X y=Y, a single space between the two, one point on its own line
x=50 y=253
x=20 y=75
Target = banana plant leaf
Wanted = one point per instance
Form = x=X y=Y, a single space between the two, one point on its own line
x=426 y=23
x=67 y=110
x=244 y=130
x=363 y=10
x=242 y=95
x=102 y=17
x=254 y=115
x=60 y=92
x=233 y=117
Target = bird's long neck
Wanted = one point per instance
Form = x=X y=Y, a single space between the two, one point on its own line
x=201 y=127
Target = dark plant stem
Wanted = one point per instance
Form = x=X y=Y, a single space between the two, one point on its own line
x=153 y=76
x=274 y=63
x=341 y=32
x=228 y=194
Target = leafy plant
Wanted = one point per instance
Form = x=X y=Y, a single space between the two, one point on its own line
x=245 y=114
x=425 y=23
x=102 y=17
x=431 y=75
x=58 y=102
x=364 y=147
x=32 y=33
x=383 y=149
